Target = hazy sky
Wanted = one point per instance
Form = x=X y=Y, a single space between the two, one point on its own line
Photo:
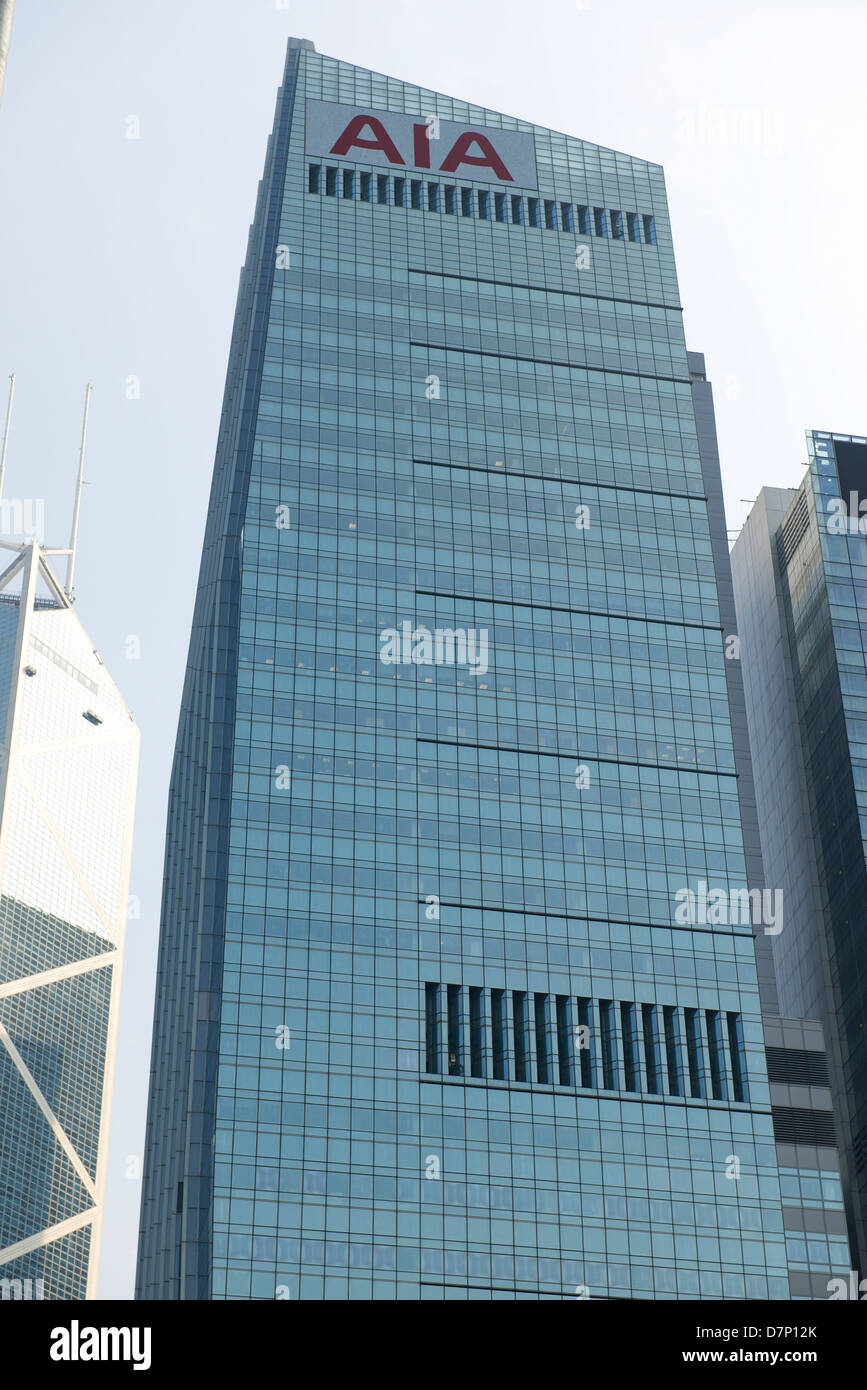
x=119 y=258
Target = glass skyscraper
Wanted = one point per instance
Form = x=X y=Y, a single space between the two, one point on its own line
x=67 y=794
x=800 y=568
x=441 y=1008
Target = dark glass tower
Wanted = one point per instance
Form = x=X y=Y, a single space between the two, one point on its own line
x=800 y=567
x=455 y=736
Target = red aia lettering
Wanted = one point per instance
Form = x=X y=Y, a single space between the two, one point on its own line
x=421 y=146
x=489 y=159
x=351 y=137
x=458 y=154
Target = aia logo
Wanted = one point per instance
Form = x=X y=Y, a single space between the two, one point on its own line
x=401 y=142
x=471 y=148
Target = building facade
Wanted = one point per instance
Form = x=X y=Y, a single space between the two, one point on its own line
x=817 y=1249
x=800 y=568
x=814 y=1218
x=440 y=1009
x=67 y=792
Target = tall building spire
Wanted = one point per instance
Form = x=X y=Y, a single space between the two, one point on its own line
x=6 y=428
x=6 y=9
x=73 y=536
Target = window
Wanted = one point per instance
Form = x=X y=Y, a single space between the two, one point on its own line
x=467 y=202
x=313 y=178
x=673 y=1057
x=717 y=1068
x=609 y=1046
x=415 y=193
x=500 y=207
x=585 y=1043
x=695 y=1053
x=449 y=190
x=432 y=1027
x=564 y=1041
x=599 y=222
x=477 y=1031
x=533 y=211
x=632 y=226
x=629 y=1029
x=567 y=217
x=331 y=183
x=382 y=188
x=737 y=1053
x=522 y=1039
x=583 y=219
x=543 y=1049
x=400 y=192
x=364 y=187
x=517 y=210
x=348 y=183
x=649 y=229
x=617 y=225
x=485 y=207
x=433 y=197
x=550 y=215
x=453 y=1005
x=498 y=1033
x=651 y=1049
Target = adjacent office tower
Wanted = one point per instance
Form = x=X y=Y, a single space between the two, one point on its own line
x=67 y=789
x=442 y=1008
x=817 y=1250
x=800 y=570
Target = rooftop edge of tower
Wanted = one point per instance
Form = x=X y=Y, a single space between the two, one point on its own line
x=296 y=43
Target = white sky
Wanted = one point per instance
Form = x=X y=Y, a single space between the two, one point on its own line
x=121 y=257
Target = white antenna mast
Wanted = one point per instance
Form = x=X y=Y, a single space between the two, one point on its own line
x=73 y=539
x=6 y=432
x=6 y=8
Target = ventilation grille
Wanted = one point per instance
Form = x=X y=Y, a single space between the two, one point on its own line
x=797 y=1067
x=859 y=1150
x=486 y=205
x=793 y=529
x=795 y=1126
x=598 y=1044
